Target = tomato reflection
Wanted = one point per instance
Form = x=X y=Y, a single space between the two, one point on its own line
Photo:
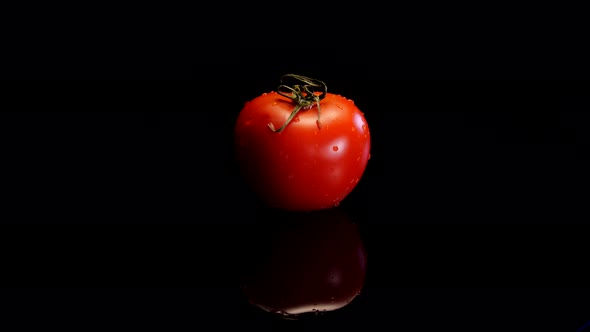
x=300 y=263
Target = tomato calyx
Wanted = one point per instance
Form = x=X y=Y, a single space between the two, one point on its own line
x=304 y=96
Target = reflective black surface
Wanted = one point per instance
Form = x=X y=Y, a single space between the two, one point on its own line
x=123 y=209
x=302 y=264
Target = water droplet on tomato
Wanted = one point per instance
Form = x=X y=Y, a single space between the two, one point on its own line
x=274 y=103
x=364 y=127
x=315 y=132
x=353 y=129
x=296 y=119
x=290 y=176
x=335 y=148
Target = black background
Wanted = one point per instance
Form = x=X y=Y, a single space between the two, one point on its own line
x=123 y=209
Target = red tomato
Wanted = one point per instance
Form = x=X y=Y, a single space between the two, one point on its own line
x=312 y=262
x=301 y=148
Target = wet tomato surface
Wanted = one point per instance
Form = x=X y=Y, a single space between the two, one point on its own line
x=302 y=148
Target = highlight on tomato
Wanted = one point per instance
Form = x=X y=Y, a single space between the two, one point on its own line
x=301 y=148
x=311 y=263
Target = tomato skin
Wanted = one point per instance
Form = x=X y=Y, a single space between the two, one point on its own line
x=306 y=166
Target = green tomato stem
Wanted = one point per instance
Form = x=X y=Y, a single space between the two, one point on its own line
x=304 y=96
